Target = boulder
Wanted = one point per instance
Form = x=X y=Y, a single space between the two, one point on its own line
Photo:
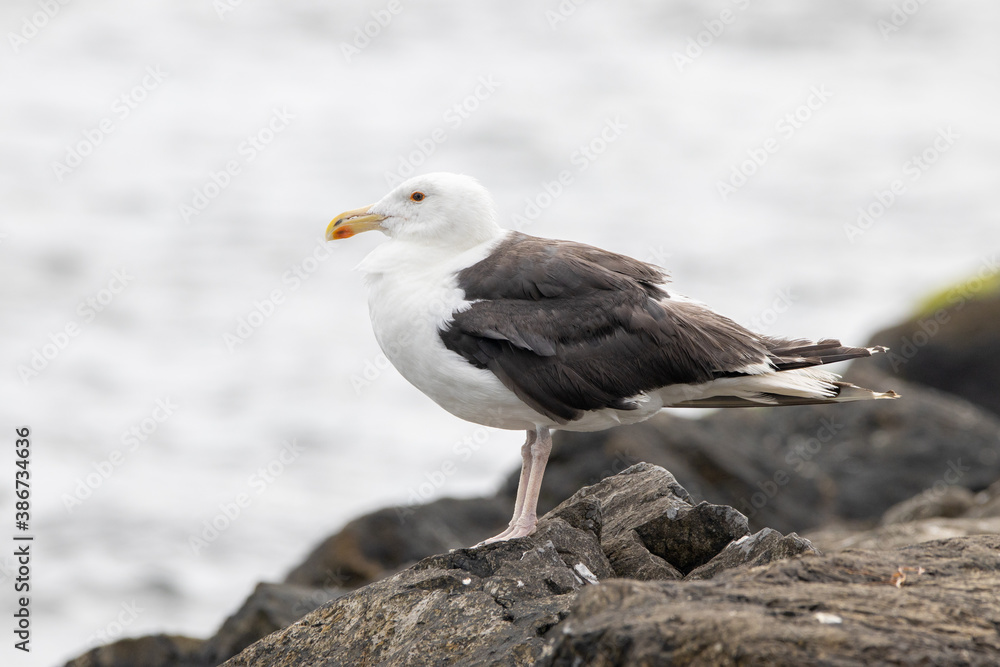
x=149 y=651
x=377 y=544
x=496 y=604
x=952 y=343
x=944 y=501
x=760 y=548
x=270 y=607
x=565 y=596
x=922 y=604
x=936 y=513
x=840 y=537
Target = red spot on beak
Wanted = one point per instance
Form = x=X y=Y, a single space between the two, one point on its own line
x=343 y=233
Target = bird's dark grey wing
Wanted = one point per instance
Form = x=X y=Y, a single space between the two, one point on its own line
x=569 y=328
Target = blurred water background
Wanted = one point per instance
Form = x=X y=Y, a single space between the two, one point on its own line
x=167 y=170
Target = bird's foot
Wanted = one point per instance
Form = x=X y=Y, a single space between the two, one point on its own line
x=522 y=528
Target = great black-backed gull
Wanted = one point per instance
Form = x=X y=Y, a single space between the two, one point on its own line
x=520 y=332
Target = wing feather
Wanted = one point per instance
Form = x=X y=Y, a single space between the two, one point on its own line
x=570 y=328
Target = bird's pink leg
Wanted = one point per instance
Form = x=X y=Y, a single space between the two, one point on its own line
x=534 y=456
x=522 y=486
x=527 y=519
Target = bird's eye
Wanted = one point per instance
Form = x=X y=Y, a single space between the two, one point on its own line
x=417 y=196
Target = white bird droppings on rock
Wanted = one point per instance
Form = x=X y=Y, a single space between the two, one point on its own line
x=585 y=572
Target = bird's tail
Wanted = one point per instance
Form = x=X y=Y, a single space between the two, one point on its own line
x=793 y=379
x=787 y=355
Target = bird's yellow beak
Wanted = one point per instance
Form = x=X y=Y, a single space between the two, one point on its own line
x=349 y=223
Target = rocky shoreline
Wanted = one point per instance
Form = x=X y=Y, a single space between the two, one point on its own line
x=632 y=571
x=851 y=534
x=628 y=571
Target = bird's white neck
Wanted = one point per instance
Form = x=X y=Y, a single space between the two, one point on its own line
x=406 y=256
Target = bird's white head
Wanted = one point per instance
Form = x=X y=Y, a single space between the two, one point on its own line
x=432 y=209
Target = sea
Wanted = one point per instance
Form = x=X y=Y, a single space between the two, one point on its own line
x=194 y=364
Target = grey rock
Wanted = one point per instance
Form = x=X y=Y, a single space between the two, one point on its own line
x=760 y=548
x=270 y=607
x=497 y=604
x=944 y=501
x=690 y=537
x=382 y=542
x=149 y=651
x=615 y=508
x=841 y=609
x=840 y=537
x=986 y=503
x=952 y=345
x=939 y=512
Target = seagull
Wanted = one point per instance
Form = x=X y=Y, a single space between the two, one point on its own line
x=525 y=333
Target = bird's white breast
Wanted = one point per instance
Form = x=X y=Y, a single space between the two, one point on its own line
x=413 y=293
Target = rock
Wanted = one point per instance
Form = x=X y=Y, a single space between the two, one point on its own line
x=690 y=537
x=270 y=607
x=952 y=344
x=947 y=501
x=378 y=544
x=555 y=597
x=840 y=537
x=986 y=503
x=150 y=651
x=497 y=604
x=936 y=513
x=831 y=610
x=752 y=550
x=796 y=468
